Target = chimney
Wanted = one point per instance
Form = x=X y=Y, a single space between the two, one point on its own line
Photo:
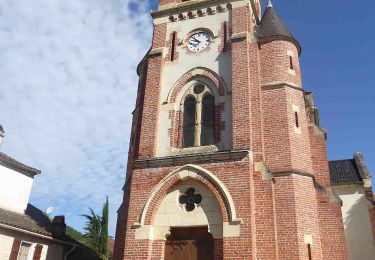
x=2 y=134
x=59 y=225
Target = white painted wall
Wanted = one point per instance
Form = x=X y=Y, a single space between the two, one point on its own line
x=50 y=251
x=15 y=190
x=358 y=229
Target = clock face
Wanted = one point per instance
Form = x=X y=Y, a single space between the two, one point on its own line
x=198 y=41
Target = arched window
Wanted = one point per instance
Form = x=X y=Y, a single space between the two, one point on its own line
x=199 y=117
x=190 y=107
x=208 y=120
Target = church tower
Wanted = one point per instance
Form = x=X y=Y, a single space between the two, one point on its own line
x=227 y=159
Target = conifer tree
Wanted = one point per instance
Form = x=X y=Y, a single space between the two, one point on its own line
x=103 y=239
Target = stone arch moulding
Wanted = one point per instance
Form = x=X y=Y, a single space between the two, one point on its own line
x=186 y=172
x=194 y=73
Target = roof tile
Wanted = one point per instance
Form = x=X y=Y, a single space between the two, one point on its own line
x=344 y=172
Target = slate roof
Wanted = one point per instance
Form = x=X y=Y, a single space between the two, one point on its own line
x=344 y=172
x=272 y=26
x=34 y=220
x=13 y=164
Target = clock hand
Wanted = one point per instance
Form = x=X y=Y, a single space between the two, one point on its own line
x=196 y=39
x=195 y=44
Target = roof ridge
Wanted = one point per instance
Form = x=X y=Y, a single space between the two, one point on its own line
x=12 y=163
x=340 y=160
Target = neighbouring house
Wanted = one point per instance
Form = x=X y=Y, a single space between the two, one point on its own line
x=351 y=181
x=26 y=232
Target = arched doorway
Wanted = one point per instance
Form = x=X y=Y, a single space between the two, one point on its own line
x=191 y=243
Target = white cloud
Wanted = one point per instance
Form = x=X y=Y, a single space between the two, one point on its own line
x=67 y=90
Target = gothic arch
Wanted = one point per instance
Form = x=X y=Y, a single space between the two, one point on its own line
x=212 y=76
x=197 y=173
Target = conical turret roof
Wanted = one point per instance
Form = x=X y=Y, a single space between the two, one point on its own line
x=271 y=26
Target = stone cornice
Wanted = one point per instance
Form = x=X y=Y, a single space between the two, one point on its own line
x=175 y=8
x=288 y=173
x=280 y=84
x=348 y=185
x=234 y=155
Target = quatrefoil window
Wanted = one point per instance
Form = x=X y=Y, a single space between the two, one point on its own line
x=190 y=199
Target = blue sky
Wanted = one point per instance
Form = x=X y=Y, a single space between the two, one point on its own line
x=68 y=86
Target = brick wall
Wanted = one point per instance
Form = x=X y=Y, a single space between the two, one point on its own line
x=151 y=98
x=285 y=149
x=263 y=226
x=236 y=177
x=275 y=62
x=331 y=224
x=240 y=80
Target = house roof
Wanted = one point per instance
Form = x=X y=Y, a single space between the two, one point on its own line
x=344 y=172
x=271 y=26
x=13 y=164
x=34 y=220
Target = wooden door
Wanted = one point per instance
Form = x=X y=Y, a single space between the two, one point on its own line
x=189 y=244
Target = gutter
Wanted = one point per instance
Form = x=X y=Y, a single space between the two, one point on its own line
x=71 y=250
x=37 y=235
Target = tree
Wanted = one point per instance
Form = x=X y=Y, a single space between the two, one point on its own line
x=96 y=231
x=103 y=239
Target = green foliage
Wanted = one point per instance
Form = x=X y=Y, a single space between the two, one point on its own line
x=103 y=239
x=92 y=230
x=76 y=235
x=96 y=231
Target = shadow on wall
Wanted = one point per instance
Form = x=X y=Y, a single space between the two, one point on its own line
x=358 y=231
x=82 y=252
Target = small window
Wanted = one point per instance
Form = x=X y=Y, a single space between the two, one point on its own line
x=291 y=65
x=173 y=47
x=23 y=253
x=309 y=251
x=189 y=121
x=296 y=119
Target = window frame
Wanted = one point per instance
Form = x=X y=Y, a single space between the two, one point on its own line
x=199 y=110
x=31 y=250
x=191 y=125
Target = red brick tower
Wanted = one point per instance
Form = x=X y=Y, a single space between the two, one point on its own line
x=227 y=159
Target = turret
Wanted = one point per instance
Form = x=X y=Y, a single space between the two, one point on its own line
x=280 y=50
x=285 y=118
